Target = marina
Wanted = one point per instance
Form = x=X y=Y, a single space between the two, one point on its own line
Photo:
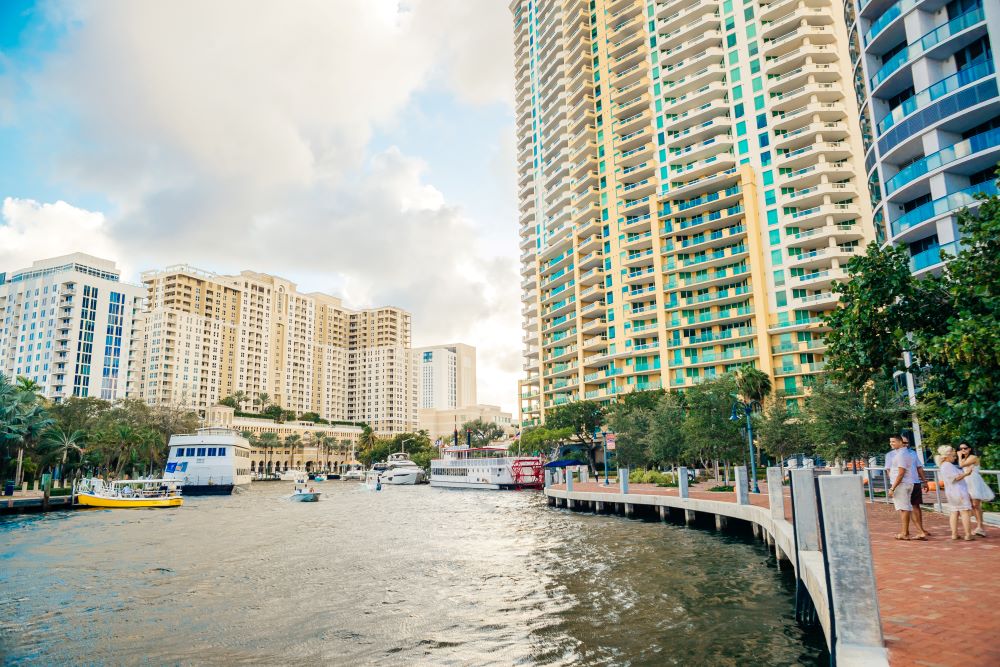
x=413 y=575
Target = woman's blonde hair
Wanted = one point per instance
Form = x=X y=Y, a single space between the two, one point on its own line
x=944 y=451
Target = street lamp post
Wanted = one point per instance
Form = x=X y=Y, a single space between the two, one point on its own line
x=402 y=445
x=747 y=409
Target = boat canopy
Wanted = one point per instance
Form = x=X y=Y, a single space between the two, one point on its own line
x=563 y=463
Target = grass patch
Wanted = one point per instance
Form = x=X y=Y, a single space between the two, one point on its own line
x=721 y=489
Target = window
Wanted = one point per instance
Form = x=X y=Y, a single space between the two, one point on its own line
x=190 y=451
x=201 y=451
x=211 y=451
x=222 y=451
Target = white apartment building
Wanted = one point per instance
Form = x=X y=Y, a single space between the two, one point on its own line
x=446 y=376
x=66 y=324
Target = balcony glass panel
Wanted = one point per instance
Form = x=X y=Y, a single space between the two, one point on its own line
x=970 y=146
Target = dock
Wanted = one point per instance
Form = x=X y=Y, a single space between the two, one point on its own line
x=879 y=601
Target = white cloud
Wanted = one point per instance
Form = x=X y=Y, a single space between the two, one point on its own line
x=27 y=225
x=237 y=139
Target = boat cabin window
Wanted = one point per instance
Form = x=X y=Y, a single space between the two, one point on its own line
x=211 y=451
x=222 y=451
x=190 y=451
x=180 y=451
x=201 y=451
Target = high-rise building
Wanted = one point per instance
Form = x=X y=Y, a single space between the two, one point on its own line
x=67 y=324
x=206 y=336
x=927 y=82
x=446 y=376
x=691 y=182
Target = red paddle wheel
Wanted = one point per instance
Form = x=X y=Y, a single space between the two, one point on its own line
x=527 y=473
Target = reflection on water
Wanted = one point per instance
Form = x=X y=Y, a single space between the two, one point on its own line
x=412 y=575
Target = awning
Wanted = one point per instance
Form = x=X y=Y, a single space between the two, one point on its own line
x=562 y=463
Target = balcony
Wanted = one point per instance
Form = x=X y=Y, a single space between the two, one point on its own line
x=982 y=142
x=951 y=203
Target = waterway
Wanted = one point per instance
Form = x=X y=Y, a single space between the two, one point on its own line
x=407 y=576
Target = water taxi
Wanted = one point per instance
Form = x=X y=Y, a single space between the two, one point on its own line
x=209 y=462
x=490 y=467
x=127 y=493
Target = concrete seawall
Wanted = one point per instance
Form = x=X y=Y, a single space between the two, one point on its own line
x=849 y=618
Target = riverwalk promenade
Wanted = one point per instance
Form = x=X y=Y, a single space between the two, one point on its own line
x=937 y=601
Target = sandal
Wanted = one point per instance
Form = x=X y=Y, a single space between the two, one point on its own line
x=903 y=537
x=954 y=537
x=922 y=538
x=968 y=538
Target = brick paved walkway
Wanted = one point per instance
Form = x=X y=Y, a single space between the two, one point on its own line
x=939 y=600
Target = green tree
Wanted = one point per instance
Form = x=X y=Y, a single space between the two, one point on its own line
x=961 y=383
x=293 y=441
x=782 y=432
x=269 y=442
x=753 y=384
x=708 y=432
x=229 y=402
x=631 y=426
x=240 y=398
x=483 y=432
x=848 y=424
x=584 y=419
x=58 y=445
x=665 y=439
x=539 y=440
x=262 y=401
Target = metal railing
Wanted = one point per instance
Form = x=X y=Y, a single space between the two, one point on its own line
x=877 y=475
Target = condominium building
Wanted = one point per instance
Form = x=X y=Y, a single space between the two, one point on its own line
x=207 y=336
x=67 y=325
x=446 y=376
x=927 y=82
x=691 y=182
x=442 y=424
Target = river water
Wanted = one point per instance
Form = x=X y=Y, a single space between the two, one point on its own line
x=407 y=576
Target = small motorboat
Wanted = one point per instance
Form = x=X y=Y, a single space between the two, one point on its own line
x=373 y=481
x=293 y=475
x=320 y=477
x=333 y=475
x=127 y=494
x=355 y=474
x=304 y=494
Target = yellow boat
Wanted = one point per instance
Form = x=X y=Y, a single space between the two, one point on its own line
x=128 y=493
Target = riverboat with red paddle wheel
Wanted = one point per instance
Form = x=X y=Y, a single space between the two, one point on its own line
x=491 y=467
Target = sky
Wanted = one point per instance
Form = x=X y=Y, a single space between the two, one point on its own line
x=363 y=148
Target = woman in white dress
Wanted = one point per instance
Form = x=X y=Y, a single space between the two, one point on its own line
x=955 y=490
x=979 y=491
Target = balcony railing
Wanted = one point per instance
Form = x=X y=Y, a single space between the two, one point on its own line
x=951 y=202
x=974 y=144
x=935 y=91
x=934 y=255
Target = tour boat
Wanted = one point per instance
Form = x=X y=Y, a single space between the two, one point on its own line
x=491 y=467
x=304 y=495
x=399 y=469
x=128 y=493
x=209 y=462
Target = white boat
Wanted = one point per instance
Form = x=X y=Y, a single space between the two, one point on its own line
x=491 y=467
x=293 y=475
x=372 y=481
x=128 y=493
x=304 y=494
x=210 y=461
x=356 y=474
x=399 y=469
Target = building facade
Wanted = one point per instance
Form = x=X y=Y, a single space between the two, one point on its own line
x=926 y=73
x=442 y=424
x=691 y=182
x=446 y=376
x=206 y=336
x=67 y=325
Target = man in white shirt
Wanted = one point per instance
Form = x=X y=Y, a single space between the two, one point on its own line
x=919 y=486
x=902 y=472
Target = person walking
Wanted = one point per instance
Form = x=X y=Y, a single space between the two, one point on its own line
x=979 y=490
x=899 y=466
x=955 y=490
x=919 y=486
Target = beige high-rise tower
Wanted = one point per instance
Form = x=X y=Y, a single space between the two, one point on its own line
x=204 y=337
x=691 y=183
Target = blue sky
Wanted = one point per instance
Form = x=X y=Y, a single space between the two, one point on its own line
x=206 y=134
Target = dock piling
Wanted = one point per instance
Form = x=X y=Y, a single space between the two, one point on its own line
x=742 y=486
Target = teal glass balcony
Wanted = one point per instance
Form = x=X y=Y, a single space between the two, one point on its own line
x=947 y=204
x=934 y=255
x=970 y=146
x=934 y=92
x=931 y=39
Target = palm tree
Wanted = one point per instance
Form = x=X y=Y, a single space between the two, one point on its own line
x=269 y=442
x=61 y=443
x=293 y=442
x=263 y=400
x=125 y=440
x=241 y=398
x=23 y=419
x=753 y=384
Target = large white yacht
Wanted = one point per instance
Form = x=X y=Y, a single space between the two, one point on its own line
x=491 y=467
x=210 y=461
x=399 y=469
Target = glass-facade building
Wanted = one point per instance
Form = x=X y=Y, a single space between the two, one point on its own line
x=926 y=78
